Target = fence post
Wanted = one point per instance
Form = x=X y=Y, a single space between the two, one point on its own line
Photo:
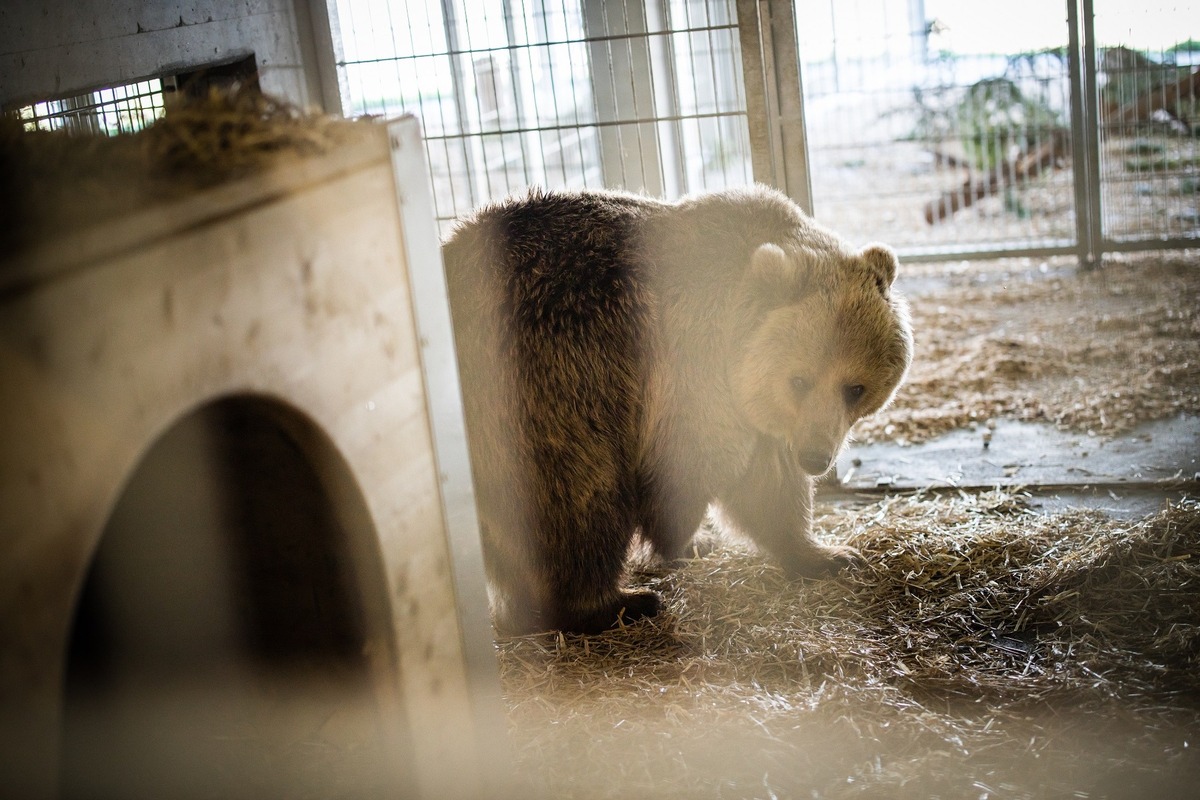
x=1085 y=131
x=774 y=97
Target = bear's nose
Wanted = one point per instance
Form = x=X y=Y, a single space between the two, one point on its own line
x=815 y=462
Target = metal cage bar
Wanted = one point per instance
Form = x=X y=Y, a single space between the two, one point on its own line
x=645 y=95
x=1086 y=167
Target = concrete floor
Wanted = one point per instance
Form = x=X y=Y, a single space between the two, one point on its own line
x=1127 y=475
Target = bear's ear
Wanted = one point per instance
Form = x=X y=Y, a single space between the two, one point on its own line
x=770 y=269
x=881 y=264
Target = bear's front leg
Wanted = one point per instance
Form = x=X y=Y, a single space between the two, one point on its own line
x=772 y=504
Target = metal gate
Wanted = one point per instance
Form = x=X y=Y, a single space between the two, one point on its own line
x=1145 y=122
x=958 y=130
x=949 y=129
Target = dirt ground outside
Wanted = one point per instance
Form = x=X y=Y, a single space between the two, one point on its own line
x=1090 y=351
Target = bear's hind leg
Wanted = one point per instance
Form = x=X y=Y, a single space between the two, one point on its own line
x=583 y=569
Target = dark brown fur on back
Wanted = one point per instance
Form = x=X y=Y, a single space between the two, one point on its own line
x=600 y=336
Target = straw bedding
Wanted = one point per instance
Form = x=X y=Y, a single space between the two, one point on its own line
x=984 y=651
x=66 y=181
x=1097 y=351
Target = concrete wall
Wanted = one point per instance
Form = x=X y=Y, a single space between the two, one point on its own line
x=54 y=48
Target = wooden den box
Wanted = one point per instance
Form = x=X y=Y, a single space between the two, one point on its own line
x=238 y=550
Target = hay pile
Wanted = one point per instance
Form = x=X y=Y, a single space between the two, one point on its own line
x=56 y=181
x=986 y=651
x=1097 y=351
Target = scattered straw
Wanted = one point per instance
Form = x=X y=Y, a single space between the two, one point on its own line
x=984 y=651
x=64 y=181
x=1096 y=351
x=230 y=134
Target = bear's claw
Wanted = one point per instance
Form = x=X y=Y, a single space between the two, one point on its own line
x=825 y=560
x=628 y=608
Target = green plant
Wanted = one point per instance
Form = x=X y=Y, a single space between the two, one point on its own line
x=995 y=116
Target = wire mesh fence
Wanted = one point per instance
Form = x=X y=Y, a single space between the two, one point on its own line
x=929 y=134
x=1149 y=104
x=119 y=109
x=646 y=96
x=945 y=128
x=948 y=128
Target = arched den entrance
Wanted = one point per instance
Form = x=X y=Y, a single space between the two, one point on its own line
x=230 y=638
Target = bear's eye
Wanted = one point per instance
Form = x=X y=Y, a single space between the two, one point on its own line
x=853 y=393
x=801 y=386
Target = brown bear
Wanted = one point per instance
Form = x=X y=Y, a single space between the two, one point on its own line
x=628 y=362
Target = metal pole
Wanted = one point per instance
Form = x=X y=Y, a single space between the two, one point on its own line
x=919 y=31
x=792 y=128
x=1091 y=105
x=1079 y=137
x=664 y=80
x=759 y=106
x=474 y=162
x=532 y=172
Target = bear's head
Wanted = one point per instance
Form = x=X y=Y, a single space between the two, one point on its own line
x=831 y=345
